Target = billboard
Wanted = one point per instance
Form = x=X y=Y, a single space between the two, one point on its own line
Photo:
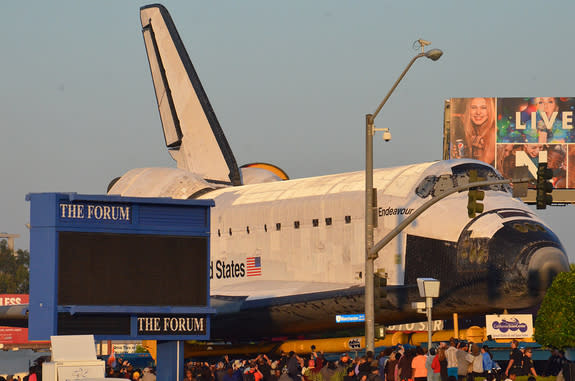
x=509 y=132
x=13 y=335
x=517 y=326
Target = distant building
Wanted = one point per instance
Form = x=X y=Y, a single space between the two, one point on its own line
x=10 y=239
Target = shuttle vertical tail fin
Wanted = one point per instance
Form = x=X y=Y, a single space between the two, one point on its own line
x=192 y=132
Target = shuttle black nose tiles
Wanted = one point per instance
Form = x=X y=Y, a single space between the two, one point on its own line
x=524 y=256
x=544 y=264
x=511 y=264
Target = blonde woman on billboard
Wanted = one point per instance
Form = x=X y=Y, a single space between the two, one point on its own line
x=479 y=128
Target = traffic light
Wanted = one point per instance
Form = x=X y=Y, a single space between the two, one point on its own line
x=380 y=291
x=544 y=187
x=380 y=331
x=474 y=195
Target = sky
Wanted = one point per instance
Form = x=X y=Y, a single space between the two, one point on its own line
x=290 y=82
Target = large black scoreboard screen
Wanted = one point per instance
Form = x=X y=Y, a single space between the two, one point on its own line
x=101 y=269
x=119 y=268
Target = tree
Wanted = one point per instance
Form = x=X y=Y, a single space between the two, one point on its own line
x=14 y=270
x=555 y=323
x=141 y=349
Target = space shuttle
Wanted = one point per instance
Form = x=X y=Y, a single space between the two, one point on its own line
x=288 y=255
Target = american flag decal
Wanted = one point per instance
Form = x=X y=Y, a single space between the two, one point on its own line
x=254 y=266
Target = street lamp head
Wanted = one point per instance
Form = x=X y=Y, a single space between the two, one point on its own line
x=434 y=54
x=428 y=287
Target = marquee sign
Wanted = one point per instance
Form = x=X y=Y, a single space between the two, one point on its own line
x=119 y=268
x=89 y=211
x=172 y=325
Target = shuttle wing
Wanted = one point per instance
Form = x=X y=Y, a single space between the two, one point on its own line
x=191 y=130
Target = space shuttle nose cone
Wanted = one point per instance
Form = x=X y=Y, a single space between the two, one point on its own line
x=545 y=263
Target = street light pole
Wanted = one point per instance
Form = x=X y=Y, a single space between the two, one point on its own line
x=428 y=289
x=370 y=208
x=428 y=306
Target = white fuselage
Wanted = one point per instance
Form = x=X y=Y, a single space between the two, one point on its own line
x=309 y=234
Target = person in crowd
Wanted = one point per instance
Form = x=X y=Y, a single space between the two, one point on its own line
x=294 y=366
x=364 y=368
x=404 y=366
x=451 y=355
x=389 y=369
x=382 y=358
x=316 y=366
x=349 y=373
x=476 y=364
x=148 y=375
x=314 y=354
x=515 y=359
x=238 y=370
x=275 y=372
x=374 y=372
x=418 y=368
x=554 y=363
x=429 y=366
x=188 y=375
x=283 y=361
x=442 y=361
x=264 y=366
x=205 y=373
x=252 y=373
x=361 y=367
x=528 y=368
x=229 y=376
x=464 y=360
x=487 y=362
x=345 y=362
x=219 y=371
x=329 y=370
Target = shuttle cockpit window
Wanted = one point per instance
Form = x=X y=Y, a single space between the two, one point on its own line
x=460 y=175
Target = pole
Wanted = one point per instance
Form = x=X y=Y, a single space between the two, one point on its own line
x=369 y=256
x=369 y=259
x=428 y=305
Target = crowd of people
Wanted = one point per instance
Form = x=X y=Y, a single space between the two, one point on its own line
x=453 y=361
x=119 y=368
x=450 y=361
